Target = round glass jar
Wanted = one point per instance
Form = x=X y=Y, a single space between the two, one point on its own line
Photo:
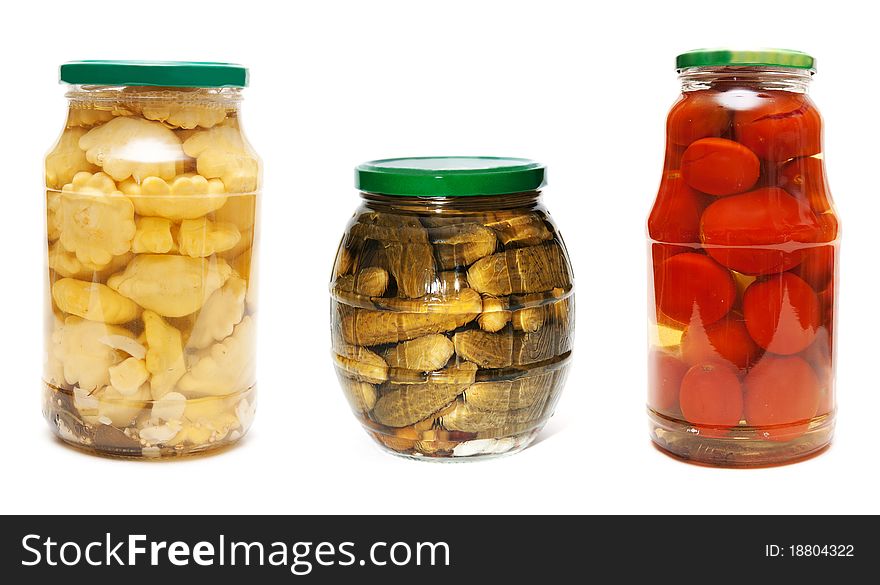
x=452 y=306
x=151 y=196
x=743 y=243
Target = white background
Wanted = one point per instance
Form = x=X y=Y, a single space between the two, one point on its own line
x=583 y=87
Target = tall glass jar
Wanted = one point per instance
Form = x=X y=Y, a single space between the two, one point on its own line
x=744 y=247
x=151 y=197
x=452 y=306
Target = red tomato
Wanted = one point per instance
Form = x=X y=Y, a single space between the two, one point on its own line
x=665 y=373
x=693 y=286
x=783 y=125
x=719 y=167
x=675 y=216
x=817 y=267
x=745 y=225
x=819 y=352
x=662 y=252
x=726 y=340
x=830 y=226
x=818 y=355
x=696 y=115
x=781 y=392
x=711 y=395
x=805 y=179
x=782 y=313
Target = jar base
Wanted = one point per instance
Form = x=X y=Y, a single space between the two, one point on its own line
x=454 y=451
x=738 y=447
x=217 y=423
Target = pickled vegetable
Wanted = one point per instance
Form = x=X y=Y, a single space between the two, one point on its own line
x=719 y=167
x=468 y=314
x=743 y=247
x=152 y=315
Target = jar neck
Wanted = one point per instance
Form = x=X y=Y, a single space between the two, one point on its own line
x=398 y=204
x=756 y=78
x=227 y=97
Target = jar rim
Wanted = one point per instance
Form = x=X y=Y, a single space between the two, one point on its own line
x=154 y=73
x=745 y=58
x=450 y=176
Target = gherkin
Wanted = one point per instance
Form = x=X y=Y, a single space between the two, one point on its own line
x=475 y=319
x=510 y=394
x=462 y=245
x=404 y=404
x=521 y=270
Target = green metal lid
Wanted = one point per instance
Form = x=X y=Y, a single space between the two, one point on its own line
x=760 y=58
x=155 y=73
x=450 y=176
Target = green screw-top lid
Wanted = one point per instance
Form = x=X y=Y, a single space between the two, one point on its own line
x=155 y=73
x=759 y=58
x=450 y=176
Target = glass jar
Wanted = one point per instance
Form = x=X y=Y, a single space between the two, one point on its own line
x=151 y=195
x=452 y=306
x=744 y=246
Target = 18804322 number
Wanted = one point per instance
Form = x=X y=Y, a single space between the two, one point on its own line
x=810 y=550
x=822 y=550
